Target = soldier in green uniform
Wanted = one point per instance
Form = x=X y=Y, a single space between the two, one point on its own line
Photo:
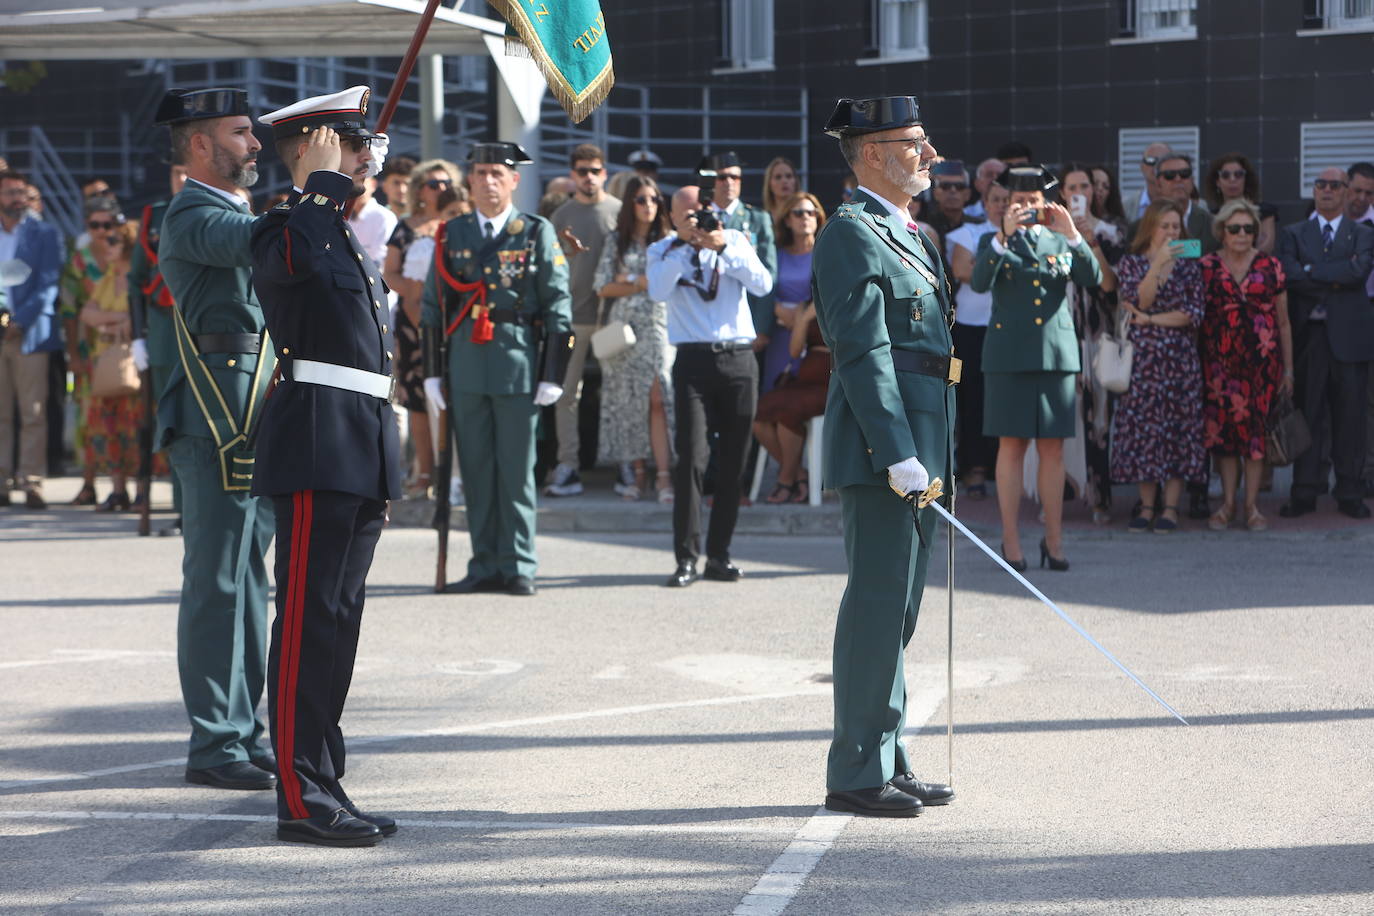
x=756 y=225
x=206 y=419
x=150 y=303
x=497 y=298
x=884 y=307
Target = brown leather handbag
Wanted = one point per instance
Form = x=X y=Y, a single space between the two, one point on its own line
x=114 y=374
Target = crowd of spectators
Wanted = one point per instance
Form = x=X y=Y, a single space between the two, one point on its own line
x=1222 y=331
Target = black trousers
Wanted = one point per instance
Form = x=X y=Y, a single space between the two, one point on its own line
x=713 y=393
x=1332 y=396
x=325 y=541
x=975 y=449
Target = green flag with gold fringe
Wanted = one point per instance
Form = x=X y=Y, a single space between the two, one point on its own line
x=567 y=40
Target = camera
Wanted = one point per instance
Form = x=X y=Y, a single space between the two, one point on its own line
x=706 y=218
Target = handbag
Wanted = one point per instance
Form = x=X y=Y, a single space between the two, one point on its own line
x=1286 y=435
x=614 y=338
x=1112 y=361
x=114 y=374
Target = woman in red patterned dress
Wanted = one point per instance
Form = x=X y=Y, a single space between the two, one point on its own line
x=1247 y=355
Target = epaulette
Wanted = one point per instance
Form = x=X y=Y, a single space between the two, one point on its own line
x=284 y=206
x=850 y=210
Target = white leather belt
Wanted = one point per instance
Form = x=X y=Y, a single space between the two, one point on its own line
x=345 y=377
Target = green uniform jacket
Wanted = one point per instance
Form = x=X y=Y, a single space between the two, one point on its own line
x=1031 y=329
x=151 y=321
x=870 y=300
x=207 y=263
x=526 y=253
x=757 y=226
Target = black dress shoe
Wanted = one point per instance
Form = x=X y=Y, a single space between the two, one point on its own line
x=265 y=762
x=5 y=501
x=1296 y=507
x=930 y=793
x=721 y=571
x=884 y=801
x=387 y=825
x=684 y=575
x=237 y=775
x=521 y=586
x=471 y=584
x=1355 y=508
x=336 y=829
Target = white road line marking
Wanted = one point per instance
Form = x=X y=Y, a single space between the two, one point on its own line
x=68 y=656
x=784 y=878
x=779 y=885
x=732 y=829
x=613 y=673
x=455 y=730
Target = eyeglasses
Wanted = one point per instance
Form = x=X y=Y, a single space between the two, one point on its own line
x=803 y=212
x=97 y=225
x=1231 y=174
x=648 y=199
x=914 y=142
x=1328 y=184
x=1238 y=228
x=435 y=184
x=585 y=170
x=1176 y=174
x=952 y=186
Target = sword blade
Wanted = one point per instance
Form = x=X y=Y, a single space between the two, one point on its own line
x=1054 y=607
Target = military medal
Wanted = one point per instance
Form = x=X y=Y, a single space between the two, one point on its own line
x=917 y=313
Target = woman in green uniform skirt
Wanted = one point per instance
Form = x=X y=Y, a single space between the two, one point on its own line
x=1031 y=354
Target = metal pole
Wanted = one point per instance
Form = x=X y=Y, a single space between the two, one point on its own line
x=431 y=105
x=949 y=649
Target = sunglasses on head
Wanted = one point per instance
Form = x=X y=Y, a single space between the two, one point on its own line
x=648 y=199
x=1328 y=184
x=585 y=170
x=435 y=184
x=804 y=212
x=1238 y=228
x=1150 y=160
x=1176 y=174
x=1230 y=174
x=952 y=186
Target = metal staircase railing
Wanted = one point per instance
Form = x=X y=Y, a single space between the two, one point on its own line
x=29 y=149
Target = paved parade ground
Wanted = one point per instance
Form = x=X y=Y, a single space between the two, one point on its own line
x=611 y=746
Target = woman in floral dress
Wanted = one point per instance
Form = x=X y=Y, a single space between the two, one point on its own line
x=636 y=418
x=1157 y=428
x=1247 y=355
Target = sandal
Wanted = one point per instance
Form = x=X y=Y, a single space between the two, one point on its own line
x=1254 y=521
x=663 y=482
x=86 y=497
x=1222 y=518
x=1167 y=525
x=1140 y=524
x=418 y=488
x=782 y=493
x=117 y=501
x=801 y=490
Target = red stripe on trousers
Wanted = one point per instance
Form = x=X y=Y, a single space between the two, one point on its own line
x=289 y=663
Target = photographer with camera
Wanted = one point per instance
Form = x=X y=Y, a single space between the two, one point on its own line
x=705 y=274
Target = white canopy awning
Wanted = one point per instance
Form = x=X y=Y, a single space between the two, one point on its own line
x=151 y=29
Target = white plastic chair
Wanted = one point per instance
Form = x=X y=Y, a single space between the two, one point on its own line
x=815 y=428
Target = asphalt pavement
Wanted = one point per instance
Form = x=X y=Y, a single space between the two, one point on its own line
x=611 y=746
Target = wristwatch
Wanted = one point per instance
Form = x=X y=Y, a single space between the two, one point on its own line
x=632 y=279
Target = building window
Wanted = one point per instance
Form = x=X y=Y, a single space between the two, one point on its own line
x=748 y=34
x=1131 y=144
x=1152 y=20
x=1324 y=144
x=1338 y=15
x=899 y=28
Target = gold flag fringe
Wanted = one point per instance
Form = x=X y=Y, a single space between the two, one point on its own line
x=577 y=106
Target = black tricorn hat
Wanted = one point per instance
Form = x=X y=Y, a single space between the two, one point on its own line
x=1027 y=178
x=499 y=153
x=866 y=116
x=181 y=105
x=717 y=161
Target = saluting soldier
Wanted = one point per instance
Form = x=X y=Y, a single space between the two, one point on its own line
x=497 y=299
x=328 y=453
x=150 y=310
x=884 y=308
x=756 y=225
x=206 y=419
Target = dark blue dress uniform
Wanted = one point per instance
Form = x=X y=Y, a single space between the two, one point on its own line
x=329 y=457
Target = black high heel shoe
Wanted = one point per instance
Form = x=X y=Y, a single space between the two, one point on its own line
x=1019 y=566
x=1055 y=563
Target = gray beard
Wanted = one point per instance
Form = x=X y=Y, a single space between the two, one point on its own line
x=239 y=174
x=896 y=173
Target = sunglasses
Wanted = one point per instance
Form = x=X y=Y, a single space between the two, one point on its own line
x=1230 y=174
x=646 y=199
x=725 y=176
x=585 y=170
x=952 y=186
x=96 y=225
x=1239 y=228
x=435 y=184
x=1150 y=160
x=802 y=212
x=1176 y=174
x=1328 y=184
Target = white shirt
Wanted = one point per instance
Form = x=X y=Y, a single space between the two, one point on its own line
x=728 y=211
x=692 y=319
x=230 y=196
x=9 y=244
x=497 y=222
x=900 y=212
x=1323 y=222
x=1144 y=203
x=374 y=224
x=974 y=308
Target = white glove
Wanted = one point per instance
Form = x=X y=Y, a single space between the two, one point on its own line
x=139 y=350
x=379 y=148
x=547 y=393
x=419 y=259
x=908 y=476
x=434 y=393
